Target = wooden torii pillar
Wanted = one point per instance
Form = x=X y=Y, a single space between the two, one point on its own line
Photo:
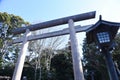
x=77 y=66
x=21 y=58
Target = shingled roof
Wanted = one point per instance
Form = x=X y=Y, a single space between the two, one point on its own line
x=99 y=25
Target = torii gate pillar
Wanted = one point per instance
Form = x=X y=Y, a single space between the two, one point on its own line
x=21 y=58
x=77 y=65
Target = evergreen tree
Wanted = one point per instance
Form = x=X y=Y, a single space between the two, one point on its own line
x=61 y=66
x=8 y=54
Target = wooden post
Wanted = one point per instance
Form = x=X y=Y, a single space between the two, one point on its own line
x=21 y=58
x=77 y=65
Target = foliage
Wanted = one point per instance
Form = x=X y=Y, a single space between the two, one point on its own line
x=40 y=54
x=6 y=71
x=11 y=21
x=55 y=67
x=28 y=72
x=116 y=54
x=7 y=23
x=93 y=62
x=61 y=66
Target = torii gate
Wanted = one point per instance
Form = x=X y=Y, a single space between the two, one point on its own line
x=77 y=66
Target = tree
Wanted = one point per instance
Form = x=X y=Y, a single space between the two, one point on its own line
x=116 y=54
x=93 y=62
x=7 y=23
x=62 y=66
x=41 y=52
x=8 y=54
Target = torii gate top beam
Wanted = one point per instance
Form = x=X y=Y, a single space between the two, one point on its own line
x=55 y=22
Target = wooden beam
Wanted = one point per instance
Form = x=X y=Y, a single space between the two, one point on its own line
x=53 y=34
x=55 y=22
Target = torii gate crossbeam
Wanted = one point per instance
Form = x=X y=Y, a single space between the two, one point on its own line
x=53 y=34
x=55 y=22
